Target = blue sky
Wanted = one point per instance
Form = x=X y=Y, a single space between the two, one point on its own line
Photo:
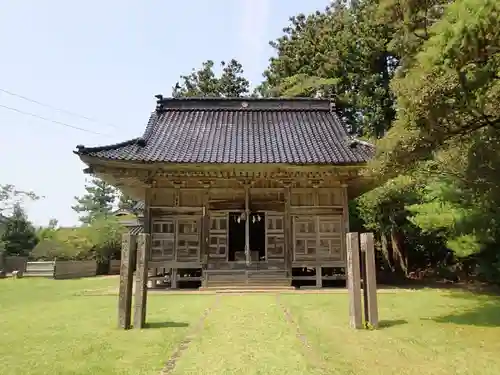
x=106 y=60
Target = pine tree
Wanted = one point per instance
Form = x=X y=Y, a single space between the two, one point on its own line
x=19 y=236
x=98 y=202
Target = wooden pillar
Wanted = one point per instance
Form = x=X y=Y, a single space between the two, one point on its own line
x=173 y=278
x=141 y=280
x=370 y=282
x=319 y=280
x=345 y=211
x=354 y=280
x=288 y=230
x=205 y=229
x=247 y=225
x=126 y=281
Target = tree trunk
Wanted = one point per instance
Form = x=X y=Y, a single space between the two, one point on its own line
x=385 y=251
x=400 y=258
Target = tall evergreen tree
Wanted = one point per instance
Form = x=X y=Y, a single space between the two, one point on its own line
x=97 y=202
x=19 y=236
x=341 y=54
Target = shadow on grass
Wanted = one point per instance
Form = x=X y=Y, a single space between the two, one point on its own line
x=391 y=323
x=484 y=312
x=485 y=315
x=165 y=325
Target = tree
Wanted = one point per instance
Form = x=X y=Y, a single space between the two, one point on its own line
x=340 y=54
x=446 y=137
x=19 y=236
x=205 y=83
x=452 y=90
x=10 y=197
x=98 y=201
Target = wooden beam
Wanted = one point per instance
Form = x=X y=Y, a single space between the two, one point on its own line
x=205 y=229
x=141 y=283
x=126 y=281
x=288 y=232
x=354 y=280
x=247 y=225
x=370 y=284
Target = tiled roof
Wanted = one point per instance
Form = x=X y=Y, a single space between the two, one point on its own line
x=139 y=206
x=203 y=130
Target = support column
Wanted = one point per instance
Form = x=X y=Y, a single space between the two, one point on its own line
x=370 y=284
x=319 y=280
x=247 y=226
x=354 y=280
x=141 y=290
x=287 y=226
x=173 y=278
x=205 y=230
x=126 y=281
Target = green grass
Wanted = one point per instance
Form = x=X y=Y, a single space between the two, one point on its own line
x=69 y=327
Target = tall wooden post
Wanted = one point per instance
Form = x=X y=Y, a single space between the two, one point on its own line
x=126 y=281
x=141 y=280
x=287 y=226
x=354 y=280
x=370 y=282
x=247 y=225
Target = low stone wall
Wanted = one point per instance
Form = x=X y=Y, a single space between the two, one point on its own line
x=71 y=269
x=114 y=267
x=40 y=269
x=10 y=264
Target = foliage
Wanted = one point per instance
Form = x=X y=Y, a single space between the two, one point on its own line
x=205 y=83
x=341 y=54
x=18 y=237
x=424 y=76
x=447 y=135
x=99 y=240
x=452 y=90
x=98 y=201
x=105 y=235
x=10 y=197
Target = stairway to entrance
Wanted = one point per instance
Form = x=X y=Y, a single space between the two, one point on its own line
x=246 y=279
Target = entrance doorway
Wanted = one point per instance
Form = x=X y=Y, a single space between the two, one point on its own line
x=258 y=234
x=236 y=248
x=236 y=237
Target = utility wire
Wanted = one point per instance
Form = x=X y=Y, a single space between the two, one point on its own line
x=55 y=108
x=54 y=121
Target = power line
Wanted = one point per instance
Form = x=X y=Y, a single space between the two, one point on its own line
x=55 y=108
x=54 y=121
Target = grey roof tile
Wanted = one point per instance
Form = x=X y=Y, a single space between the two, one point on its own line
x=135 y=230
x=208 y=130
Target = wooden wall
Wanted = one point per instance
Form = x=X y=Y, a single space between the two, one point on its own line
x=13 y=263
x=315 y=219
x=73 y=269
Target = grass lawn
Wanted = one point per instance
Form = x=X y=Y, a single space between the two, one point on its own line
x=69 y=327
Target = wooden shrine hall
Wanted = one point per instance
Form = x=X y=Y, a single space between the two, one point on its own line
x=238 y=190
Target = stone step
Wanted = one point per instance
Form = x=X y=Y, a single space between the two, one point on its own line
x=246 y=288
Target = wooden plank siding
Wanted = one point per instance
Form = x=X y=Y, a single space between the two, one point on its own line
x=190 y=226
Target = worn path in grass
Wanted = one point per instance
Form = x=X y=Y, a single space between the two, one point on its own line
x=70 y=327
x=248 y=334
